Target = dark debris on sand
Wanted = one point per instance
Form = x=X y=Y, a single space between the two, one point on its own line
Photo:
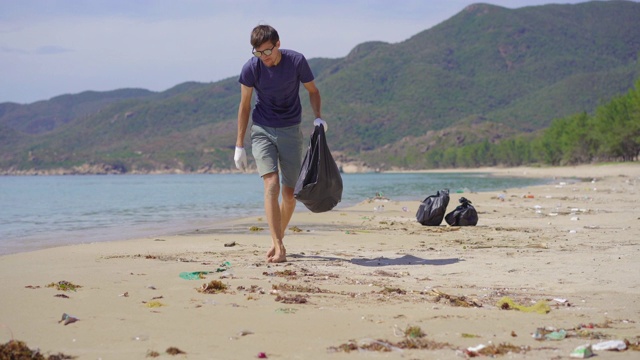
x=296 y=299
x=174 y=351
x=18 y=350
x=213 y=287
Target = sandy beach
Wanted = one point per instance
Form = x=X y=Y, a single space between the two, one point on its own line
x=358 y=283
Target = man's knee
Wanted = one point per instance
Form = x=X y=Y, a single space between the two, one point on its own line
x=271 y=185
x=287 y=193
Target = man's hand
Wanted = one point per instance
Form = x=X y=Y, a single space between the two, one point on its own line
x=318 y=122
x=240 y=157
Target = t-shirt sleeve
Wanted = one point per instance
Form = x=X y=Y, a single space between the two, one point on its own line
x=247 y=76
x=305 y=71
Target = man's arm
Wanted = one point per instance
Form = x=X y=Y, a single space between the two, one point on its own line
x=243 y=113
x=314 y=98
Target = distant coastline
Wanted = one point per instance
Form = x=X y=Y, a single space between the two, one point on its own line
x=351 y=167
x=577 y=171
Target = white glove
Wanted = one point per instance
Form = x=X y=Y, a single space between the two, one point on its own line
x=240 y=157
x=318 y=122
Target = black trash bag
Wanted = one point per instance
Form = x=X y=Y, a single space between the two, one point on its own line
x=463 y=215
x=432 y=209
x=319 y=185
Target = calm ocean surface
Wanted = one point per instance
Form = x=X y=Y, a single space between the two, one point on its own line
x=44 y=211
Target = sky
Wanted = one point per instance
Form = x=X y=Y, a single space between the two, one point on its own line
x=55 y=47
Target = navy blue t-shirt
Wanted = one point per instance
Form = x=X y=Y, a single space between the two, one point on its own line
x=277 y=88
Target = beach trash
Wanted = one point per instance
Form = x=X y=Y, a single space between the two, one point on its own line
x=224 y=266
x=245 y=332
x=380 y=197
x=154 y=304
x=582 y=352
x=474 y=351
x=539 y=334
x=549 y=333
x=506 y=303
x=67 y=319
x=556 y=335
x=463 y=215
x=262 y=355
x=433 y=208
x=193 y=275
x=611 y=345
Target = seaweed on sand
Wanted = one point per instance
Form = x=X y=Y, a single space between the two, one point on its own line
x=174 y=351
x=18 y=350
x=213 y=287
x=284 y=273
x=387 y=346
x=414 y=338
x=389 y=290
x=414 y=332
x=152 y=353
x=64 y=286
x=453 y=299
x=295 y=229
x=296 y=299
x=299 y=288
x=503 y=349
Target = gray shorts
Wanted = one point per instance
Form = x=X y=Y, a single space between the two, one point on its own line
x=278 y=147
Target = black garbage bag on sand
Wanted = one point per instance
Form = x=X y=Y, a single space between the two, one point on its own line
x=463 y=215
x=432 y=209
x=319 y=185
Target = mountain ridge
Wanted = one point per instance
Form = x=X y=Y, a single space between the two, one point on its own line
x=518 y=67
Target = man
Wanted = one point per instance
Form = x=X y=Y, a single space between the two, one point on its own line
x=276 y=138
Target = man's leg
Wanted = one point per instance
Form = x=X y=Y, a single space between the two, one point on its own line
x=277 y=253
x=290 y=156
x=278 y=149
x=287 y=207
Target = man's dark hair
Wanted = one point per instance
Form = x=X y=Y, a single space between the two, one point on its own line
x=263 y=33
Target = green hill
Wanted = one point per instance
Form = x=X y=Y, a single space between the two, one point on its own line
x=521 y=67
x=485 y=73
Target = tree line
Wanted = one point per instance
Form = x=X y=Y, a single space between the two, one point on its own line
x=611 y=133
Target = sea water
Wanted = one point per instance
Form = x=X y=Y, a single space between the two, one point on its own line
x=43 y=211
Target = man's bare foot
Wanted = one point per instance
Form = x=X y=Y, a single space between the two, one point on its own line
x=280 y=255
x=271 y=252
